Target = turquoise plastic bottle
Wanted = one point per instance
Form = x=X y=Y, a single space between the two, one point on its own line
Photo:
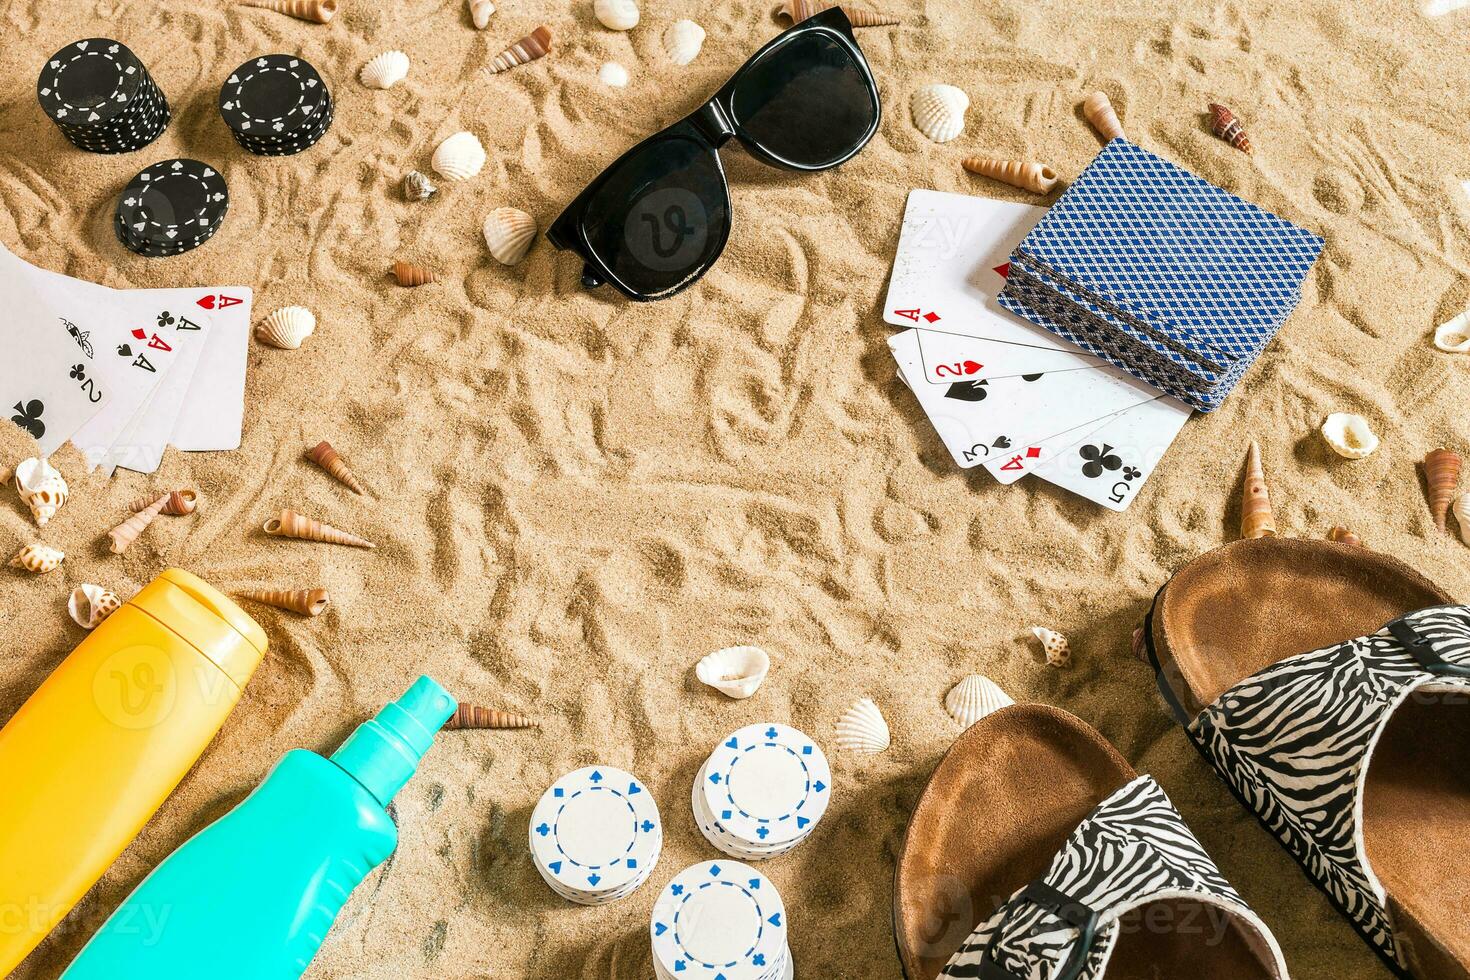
x=253 y=895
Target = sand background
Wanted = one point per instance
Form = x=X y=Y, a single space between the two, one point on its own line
x=577 y=497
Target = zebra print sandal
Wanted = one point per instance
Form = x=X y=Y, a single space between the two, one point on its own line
x=1355 y=754
x=1037 y=853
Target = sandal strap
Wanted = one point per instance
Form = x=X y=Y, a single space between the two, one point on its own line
x=1294 y=742
x=1134 y=848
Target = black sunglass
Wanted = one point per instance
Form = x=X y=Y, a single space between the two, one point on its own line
x=658 y=218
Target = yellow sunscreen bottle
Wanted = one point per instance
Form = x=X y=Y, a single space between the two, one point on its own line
x=97 y=749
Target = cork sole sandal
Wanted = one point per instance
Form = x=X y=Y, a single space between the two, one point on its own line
x=1348 y=738
x=1036 y=850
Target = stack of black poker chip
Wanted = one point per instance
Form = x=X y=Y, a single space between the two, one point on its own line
x=171 y=207
x=276 y=105
x=101 y=97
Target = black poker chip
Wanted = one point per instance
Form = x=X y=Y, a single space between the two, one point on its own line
x=276 y=105
x=171 y=207
x=101 y=97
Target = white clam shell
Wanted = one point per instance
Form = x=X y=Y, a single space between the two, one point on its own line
x=1454 y=334
x=613 y=75
x=862 y=728
x=459 y=157
x=1058 y=650
x=1349 y=435
x=509 y=233
x=682 y=41
x=41 y=488
x=384 y=71
x=939 y=111
x=975 y=697
x=90 y=604
x=38 y=558
x=616 y=15
x=480 y=11
x=736 y=672
x=1461 y=509
x=287 y=327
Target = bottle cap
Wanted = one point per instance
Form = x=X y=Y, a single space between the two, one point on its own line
x=384 y=753
x=207 y=619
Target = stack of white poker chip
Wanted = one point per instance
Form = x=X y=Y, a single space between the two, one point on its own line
x=720 y=919
x=596 y=835
x=762 y=791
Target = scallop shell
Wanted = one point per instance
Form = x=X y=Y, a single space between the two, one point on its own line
x=613 y=75
x=385 y=70
x=1257 y=519
x=616 y=15
x=1453 y=336
x=797 y=11
x=1098 y=109
x=1441 y=479
x=480 y=11
x=1349 y=435
x=38 y=558
x=316 y=11
x=293 y=525
x=307 y=602
x=939 y=111
x=1461 y=508
x=682 y=41
x=122 y=536
x=1037 y=178
x=737 y=672
x=287 y=327
x=534 y=45
x=474 y=716
x=409 y=274
x=975 y=697
x=180 y=503
x=459 y=157
x=41 y=488
x=323 y=455
x=509 y=233
x=862 y=728
x=1058 y=650
x=90 y=604
x=417 y=187
x=1224 y=125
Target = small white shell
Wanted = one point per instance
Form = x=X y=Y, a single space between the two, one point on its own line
x=509 y=233
x=613 y=75
x=1453 y=335
x=975 y=697
x=41 y=488
x=287 y=327
x=862 y=728
x=939 y=111
x=417 y=187
x=1058 y=650
x=1461 y=507
x=38 y=558
x=459 y=157
x=682 y=41
x=90 y=604
x=385 y=71
x=616 y=15
x=1349 y=435
x=480 y=11
x=737 y=672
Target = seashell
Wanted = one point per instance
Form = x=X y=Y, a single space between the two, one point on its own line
x=1342 y=535
x=41 y=488
x=939 y=111
x=473 y=716
x=38 y=558
x=1138 y=645
x=613 y=75
x=616 y=15
x=534 y=45
x=1035 y=177
x=508 y=234
x=736 y=672
x=409 y=274
x=480 y=11
x=308 y=602
x=323 y=455
x=1058 y=650
x=975 y=697
x=287 y=327
x=682 y=41
x=1349 y=435
x=1441 y=478
x=797 y=11
x=862 y=728
x=180 y=503
x=292 y=525
x=1257 y=520
x=385 y=70
x=90 y=604
x=1099 y=112
x=317 y=11
x=459 y=157
x=417 y=187
x=1462 y=516
x=127 y=532
x=1453 y=336
x=1228 y=128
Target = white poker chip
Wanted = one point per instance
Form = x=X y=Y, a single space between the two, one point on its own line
x=766 y=786
x=727 y=842
x=596 y=835
x=719 y=919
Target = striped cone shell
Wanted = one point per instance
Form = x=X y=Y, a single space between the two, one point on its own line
x=534 y=45
x=292 y=525
x=127 y=532
x=409 y=274
x=179 y=504
x=1342 y=535
x=308 y=602
x=473 y=716
x=1099 y=112
x=316 y=11
x=797 y=11
x=323 y=455
x=1257 y=520
x=1228 y=128
x=1037 y=178
x=1441 y=478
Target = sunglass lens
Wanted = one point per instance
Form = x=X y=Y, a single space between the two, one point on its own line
x=660 y=217
x=807 y=102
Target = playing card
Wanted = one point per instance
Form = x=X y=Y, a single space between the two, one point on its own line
x=141 y=445
x=951 y=357
x=1108 y=465
x=212 y=412
x=1016 y=462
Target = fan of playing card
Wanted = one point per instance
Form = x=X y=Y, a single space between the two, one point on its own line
x=122 y=373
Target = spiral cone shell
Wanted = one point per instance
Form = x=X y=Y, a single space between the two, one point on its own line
x=1441 y=478
x=316 y=11
x=385 y=70
x=180 y=503
x=1099 y=112
x=287 y=327
x=409 y=274
x=480 y=11
x=1257 y=520
x=1035 y=177
x=1342 y=535
x=534 y=45
x=308 y=602
x=863 y=729
x=683 y=40
x=460 y=157
x=473 y=716
x=323 y=455
x=616 y=15
x=127 y=532
x=509 y=233
x=797 y=11
x=90 y=604
x=293 y=525
x=41 y=488
x=38 y=559
x=1058 y=651
x=1224 y=125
